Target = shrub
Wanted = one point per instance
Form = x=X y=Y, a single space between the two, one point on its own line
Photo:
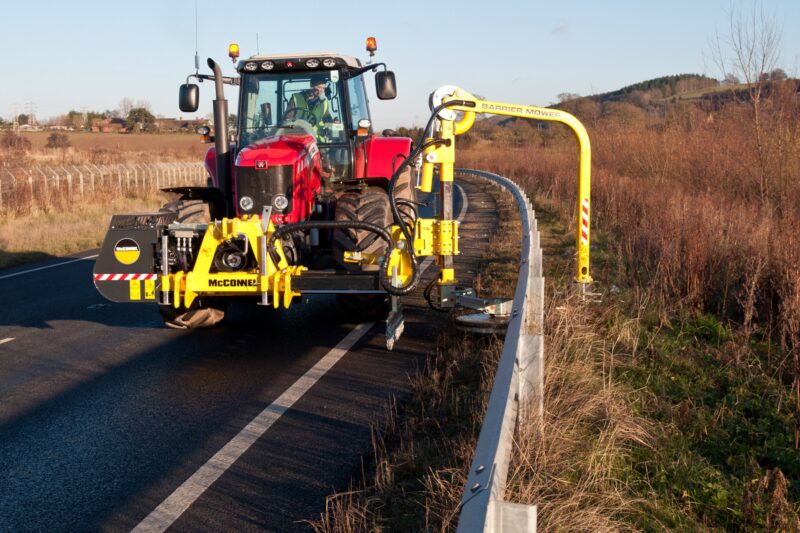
x=14 y=142
x=58 y=140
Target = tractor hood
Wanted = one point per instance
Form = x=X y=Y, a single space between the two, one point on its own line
x=280 y=171
x=279 y=150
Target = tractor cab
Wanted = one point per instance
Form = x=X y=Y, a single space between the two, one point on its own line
x=304 y=133
x=321 y=95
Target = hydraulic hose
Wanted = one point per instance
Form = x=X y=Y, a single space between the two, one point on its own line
x=299 y=227
x=422 y=145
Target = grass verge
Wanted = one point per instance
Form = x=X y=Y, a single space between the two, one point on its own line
x=576 y=472
x=66 y=230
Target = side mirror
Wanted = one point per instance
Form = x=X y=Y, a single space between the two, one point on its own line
x=385 y=85
x=189 y=97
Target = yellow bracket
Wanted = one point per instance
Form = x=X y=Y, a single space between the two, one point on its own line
x=400 y=265
x=362 y=258
x=282 y=284
x=435 y=237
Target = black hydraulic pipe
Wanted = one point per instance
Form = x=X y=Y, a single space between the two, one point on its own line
x=221 y=143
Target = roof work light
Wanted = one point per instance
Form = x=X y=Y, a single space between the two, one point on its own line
x=233 y=52
x=372 y=45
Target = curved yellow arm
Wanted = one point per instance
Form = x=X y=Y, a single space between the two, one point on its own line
x=472 y=106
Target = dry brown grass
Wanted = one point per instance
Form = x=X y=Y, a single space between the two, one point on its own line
x=702 y=207
x=415 y=478
x=110 y=148
x=68 y=230
x=575 y=471
x=43 y=217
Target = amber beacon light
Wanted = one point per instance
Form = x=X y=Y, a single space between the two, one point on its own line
x=233 y=52
x=372 y=45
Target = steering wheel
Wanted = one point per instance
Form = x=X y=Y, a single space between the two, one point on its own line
x=296 y=123
x=300 y=113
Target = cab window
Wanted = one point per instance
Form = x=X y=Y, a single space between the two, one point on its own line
x=358 y=100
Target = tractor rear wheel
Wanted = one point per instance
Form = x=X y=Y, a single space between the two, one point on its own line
x=405 y=195
x=363 y=205
x=201 y=314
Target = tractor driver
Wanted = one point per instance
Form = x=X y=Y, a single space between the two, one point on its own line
x=311 y=105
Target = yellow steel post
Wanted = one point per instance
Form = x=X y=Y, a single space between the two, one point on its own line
x=443 y=156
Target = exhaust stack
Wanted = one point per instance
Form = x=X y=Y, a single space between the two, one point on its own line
x=221 y=142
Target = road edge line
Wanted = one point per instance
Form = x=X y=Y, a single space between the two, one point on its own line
x=190 y=490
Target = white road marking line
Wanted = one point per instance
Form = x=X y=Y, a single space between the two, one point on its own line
x=176 y=503
x=9 y=339
x=48 y=266
x=182 y=498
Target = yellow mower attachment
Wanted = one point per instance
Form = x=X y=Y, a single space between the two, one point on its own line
x=201 y=281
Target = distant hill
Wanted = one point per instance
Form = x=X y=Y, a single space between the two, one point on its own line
x=662 y=87
x=651 y=97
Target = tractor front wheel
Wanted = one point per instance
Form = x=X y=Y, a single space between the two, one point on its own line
x=200 y=314
x=364 y=205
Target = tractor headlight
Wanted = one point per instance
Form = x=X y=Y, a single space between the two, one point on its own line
x=250 y=66
x=246 y=203
x=329 y=62
x=267 y=65
x=312 y=63
x=280 y=202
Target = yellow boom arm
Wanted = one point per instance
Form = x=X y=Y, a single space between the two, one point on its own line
x=443 y=155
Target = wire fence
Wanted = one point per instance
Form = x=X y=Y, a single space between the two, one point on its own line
x=44 y=185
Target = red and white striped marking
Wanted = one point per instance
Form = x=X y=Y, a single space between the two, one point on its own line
x=585 y=221
x=124 y=277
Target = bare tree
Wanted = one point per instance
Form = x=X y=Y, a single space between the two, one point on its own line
x=144 y=104
x=125 y=105
x=749 y=51
x=749 y=48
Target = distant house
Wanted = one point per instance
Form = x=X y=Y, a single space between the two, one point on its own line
x=178 y=125
x=109 y=125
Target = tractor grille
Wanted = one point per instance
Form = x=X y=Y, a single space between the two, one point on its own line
x=262 y=186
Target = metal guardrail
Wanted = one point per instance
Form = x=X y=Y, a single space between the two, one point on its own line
x=34 y=182
x=517 y=393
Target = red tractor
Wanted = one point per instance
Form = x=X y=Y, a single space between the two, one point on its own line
x=305 y=166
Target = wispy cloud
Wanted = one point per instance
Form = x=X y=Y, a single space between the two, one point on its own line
x=561 y=29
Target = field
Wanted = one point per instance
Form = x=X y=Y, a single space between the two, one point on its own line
x=695 y=250
x=117 y=147
x=44 y=215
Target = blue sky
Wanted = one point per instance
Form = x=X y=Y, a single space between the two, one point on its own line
x=87 y=53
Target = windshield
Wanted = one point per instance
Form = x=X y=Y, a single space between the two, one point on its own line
x=274 y=103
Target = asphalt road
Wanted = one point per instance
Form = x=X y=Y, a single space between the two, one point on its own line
x=104 y=413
